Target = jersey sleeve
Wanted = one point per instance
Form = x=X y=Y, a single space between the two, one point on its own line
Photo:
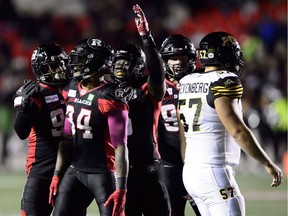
x=67 y=127
x=113 y=98
x=228 y=86
x=118 y=124
x=106 y=106
x=25 y=118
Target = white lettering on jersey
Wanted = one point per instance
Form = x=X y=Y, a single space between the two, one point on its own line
x=195 y=88
x=51 y=98
x=80 y=101
x=72 y=93
x=168 y=112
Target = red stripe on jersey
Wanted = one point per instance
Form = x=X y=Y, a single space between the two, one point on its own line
x=31 y=156
x=105 y=105
x=65 y=95
x=157 y=110
x=39 y=103
x=50 y=88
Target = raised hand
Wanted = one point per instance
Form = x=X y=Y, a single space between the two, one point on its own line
x=140 y=20
x=23 y=95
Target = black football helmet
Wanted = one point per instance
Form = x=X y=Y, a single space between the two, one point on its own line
x=133 y=70
x=49 y=63
x=221 y=49
x=89 y=56
x=175 y=46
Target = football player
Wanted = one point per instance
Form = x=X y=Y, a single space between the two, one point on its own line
x=179 y=55
x=95 y=131
x=146 y=193
x=211 y=123
x=40 y=118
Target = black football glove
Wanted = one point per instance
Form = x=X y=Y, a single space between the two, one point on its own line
x=24 y=93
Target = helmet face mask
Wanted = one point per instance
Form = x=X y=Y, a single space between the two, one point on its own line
x=49 y=64
x=178 y=66
x=129 y=63
x=221 y=49
x=89 y=57
x=178 y=47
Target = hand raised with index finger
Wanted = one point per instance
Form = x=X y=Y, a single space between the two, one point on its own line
x=140 y=20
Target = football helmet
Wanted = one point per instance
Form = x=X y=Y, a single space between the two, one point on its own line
x=177 y=46
x=129 y=63
x=221 y=49
x=89 y=56
x=49 y=63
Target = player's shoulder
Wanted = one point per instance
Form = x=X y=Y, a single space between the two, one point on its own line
x=117 y=91
x=70 y=90
x=170 y=84
x=188 y=78
x=224 y=74
x=73 y=84
x=226 y=84
x=226 y=78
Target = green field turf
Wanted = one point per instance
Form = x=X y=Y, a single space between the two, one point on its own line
x=261 y=199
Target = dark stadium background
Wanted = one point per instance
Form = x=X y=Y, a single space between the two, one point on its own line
x=260 y=27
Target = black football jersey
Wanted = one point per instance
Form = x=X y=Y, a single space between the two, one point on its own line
x=45 y=122
x=144 y=111
x=168 y=131
x=87 y=112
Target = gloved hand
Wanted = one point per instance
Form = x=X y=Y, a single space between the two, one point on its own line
x=24 y=93
x=53 y=189
x=119 y=199
x=140 y=20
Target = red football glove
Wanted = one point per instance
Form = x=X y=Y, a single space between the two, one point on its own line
x=53 y=189
x=140 y=20
x=119 y=199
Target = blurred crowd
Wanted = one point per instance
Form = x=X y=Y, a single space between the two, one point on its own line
x=259 y=26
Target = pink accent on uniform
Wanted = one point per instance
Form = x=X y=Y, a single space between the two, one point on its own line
x=118 y=126
x=67 y=127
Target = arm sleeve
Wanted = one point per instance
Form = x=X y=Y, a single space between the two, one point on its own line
x=22 y=124
x=229 y=86
x=67 y=127
x=118 y=126
x=25 y=118
x=153 y=60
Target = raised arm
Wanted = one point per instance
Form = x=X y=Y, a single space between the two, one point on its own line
x=156 y=79
x=26 y=108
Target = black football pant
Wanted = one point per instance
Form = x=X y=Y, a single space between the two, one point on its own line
x=78 y=189
x=35 y=197
x=146 y=192
x=172 y=176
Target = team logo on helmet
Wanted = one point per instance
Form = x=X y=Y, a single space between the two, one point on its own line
x=227 y=40
x=94 y=42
